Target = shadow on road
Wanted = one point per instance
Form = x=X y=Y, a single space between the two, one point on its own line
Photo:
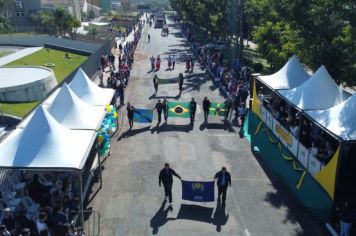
x=133 y=132
x=177 y=128
x=195 y=212
x=160 y=218
x=220 y=217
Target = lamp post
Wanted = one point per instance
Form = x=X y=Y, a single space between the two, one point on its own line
x=241 y=46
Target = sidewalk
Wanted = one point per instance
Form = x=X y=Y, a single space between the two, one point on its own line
x=17 y=55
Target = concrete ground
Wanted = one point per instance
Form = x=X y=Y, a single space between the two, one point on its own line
x=131 y=202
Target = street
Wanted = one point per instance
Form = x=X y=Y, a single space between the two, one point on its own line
x=131 y=202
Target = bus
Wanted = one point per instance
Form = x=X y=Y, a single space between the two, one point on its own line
x=159 y=23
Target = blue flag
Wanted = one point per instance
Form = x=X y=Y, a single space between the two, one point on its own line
x=198 y=191
x=143 y=115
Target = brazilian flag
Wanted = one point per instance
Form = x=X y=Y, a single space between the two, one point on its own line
x=168 y=81
x=178 y=109
x=217 y=109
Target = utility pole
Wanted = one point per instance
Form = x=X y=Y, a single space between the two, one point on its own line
x=241 y=48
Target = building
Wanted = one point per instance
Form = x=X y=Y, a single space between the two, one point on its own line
x=19 y=12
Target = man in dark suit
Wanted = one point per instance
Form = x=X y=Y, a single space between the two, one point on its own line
x=223 y=180
x=166 y=177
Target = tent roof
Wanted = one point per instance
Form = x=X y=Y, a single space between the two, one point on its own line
x=89 y=92
x=44 y=143
x=290 y=76
x=72 y=112
x=340 y=119
x=311 y=94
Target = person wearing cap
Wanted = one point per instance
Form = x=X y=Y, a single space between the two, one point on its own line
x=223 y=180
x=166 y=177
x=8 y=220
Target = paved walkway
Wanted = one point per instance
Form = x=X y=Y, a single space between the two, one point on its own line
x=130 y=201
x=17 y=55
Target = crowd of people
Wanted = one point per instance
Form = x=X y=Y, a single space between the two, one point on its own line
x=234 y=80
x=45 y=206
x=119 y=76
x=320 y=145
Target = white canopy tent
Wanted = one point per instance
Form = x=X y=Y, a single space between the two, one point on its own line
x=45 y=144
x=290 y=76
x=89 y=92
x=86 y=90
x=340 y=119
x=317 y=93
x=71 y=112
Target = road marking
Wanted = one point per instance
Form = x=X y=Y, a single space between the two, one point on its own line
x=250 y=179
x=222 y=135
x=247 y=233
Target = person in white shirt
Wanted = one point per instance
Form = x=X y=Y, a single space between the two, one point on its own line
x=174 y=60
x=41 y=223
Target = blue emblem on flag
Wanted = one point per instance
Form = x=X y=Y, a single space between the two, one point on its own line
x=198 y=191
x=143 y=115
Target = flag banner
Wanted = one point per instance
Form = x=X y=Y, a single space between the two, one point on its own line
x=168 y=81
x=178 y=109
x=198 y=191
x=143 y=115
x=217 y=109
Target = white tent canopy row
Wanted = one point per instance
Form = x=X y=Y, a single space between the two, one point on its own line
x=86 y=90
x=340 y=119
x=290 y=76
x=72 y=112
x=44 y=143
x=317 y=93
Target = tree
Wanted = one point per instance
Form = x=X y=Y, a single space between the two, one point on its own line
x=93 y=30
x=4 y=25
x=74 y=25
x=62 y=19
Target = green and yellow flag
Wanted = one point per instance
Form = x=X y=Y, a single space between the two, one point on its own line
x=217 y=109
x=178 y=109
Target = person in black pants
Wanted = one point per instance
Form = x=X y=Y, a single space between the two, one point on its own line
x=223 y=180
x=165 y=112
x=166 y=177
x=159 y=108
x=180 y=82
x=130 y=114
x=192 y=109
x=206 y=107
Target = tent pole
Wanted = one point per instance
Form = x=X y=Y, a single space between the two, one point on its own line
x=81 y=199
x=100 y=176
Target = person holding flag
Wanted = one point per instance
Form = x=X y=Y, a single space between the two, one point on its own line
x=130 y=114
x=206 y=108
x=223 y=180
x=192 y=109
x=159 y=108
x=155 y=83
x=165 y=112
x=166 y=177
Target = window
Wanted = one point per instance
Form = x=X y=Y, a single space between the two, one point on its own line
x=20 y=13
x=19 y=4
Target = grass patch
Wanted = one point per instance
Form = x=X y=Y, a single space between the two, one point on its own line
x=18 y=109
x=5 y=53
x=63 y=67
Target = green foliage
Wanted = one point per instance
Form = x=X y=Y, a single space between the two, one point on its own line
x=93 y=30
x=4 y=25
x=320 y=32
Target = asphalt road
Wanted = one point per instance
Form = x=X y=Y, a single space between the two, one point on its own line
x=131 y=203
